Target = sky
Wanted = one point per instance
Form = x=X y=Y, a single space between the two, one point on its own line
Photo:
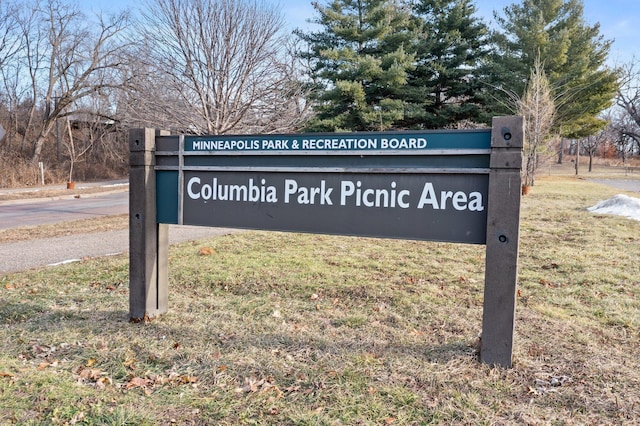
x=619 y=19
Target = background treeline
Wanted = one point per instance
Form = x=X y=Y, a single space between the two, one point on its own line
x=73 y=83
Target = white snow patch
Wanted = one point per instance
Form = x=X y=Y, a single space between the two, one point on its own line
x=619 y=205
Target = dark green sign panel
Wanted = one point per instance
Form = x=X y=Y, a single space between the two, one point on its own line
x=430 y=207
x=359 y=141
x=413 y=185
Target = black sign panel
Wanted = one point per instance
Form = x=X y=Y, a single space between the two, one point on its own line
x=437 y=207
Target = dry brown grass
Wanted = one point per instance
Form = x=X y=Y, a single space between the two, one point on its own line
x=76 y=227
x=48 y=192
x=290 y=329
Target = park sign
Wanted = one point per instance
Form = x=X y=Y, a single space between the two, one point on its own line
x=459 y=186
x=429 y=185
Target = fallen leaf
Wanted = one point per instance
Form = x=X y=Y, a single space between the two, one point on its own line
x=546 y=282
x=187 y=379
x=3 y=374
x=130 y=363
x=91 y=362
x=104 y=381
x=137 y=382
x=206 y=251
x=92 y=374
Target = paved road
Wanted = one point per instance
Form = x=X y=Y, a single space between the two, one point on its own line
x=38 y=212
x=29 y=254
x=624 y=184
x=25 y=255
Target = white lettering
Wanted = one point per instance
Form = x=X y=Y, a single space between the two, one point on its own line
x=459 y=200
x=475 y=202
x=428 y=197
x=308 y=195
x=347 y=188
x=192 y=181
x=373 y=197
x=225 y=192
x=290 y=188
x=444 y=196
x=403 y=143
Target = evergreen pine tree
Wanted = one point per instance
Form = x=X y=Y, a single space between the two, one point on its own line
x=573 y=55
x=360 y=63
x=450 y=52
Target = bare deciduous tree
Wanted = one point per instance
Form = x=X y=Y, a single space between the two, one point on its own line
x=10 y=45
x=626 y=133
x=68 y=59
x=627 y=122
x=215 y=66
x=538 y=108
x=591 y=144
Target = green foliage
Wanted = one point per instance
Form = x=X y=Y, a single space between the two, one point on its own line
x=450 y=50
x=361 y=61
x=573 y=54
x=380 y=64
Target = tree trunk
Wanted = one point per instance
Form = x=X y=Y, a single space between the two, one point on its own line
x=561 y=151
x=32 y=111
x=37 y=149
x=42 y=138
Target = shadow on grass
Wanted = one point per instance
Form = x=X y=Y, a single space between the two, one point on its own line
x=15 y=313
x=190 y=338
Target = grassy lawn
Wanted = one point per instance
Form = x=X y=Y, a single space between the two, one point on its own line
x=275 y=328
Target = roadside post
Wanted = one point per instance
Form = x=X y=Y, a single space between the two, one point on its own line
x=461 y=186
